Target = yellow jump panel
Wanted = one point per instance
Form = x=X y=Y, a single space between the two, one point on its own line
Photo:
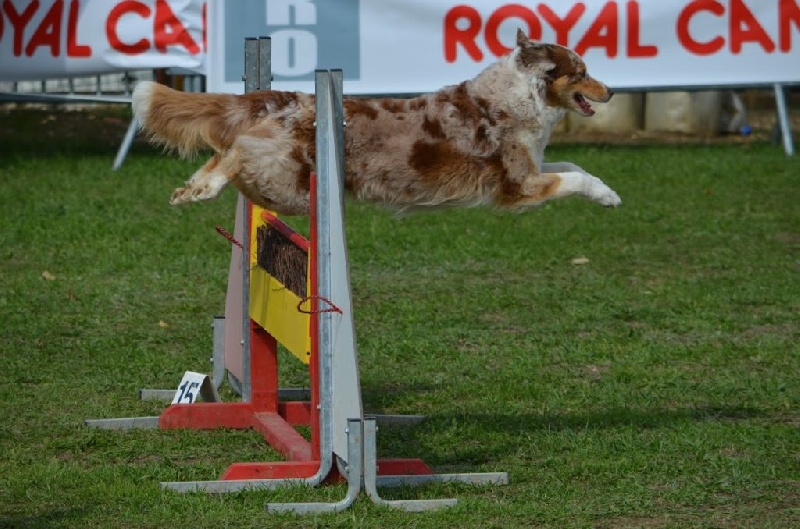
x=273 y=306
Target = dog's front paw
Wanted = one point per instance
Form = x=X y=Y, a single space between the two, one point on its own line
x=599 y=192
x=609 y=198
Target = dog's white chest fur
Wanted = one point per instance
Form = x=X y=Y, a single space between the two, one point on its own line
x=536 y=139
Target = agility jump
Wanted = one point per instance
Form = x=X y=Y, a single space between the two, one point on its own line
x=297 y=292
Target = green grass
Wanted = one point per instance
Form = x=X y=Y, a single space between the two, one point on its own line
x=653 y=386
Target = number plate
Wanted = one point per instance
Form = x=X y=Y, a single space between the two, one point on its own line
x=192 y=386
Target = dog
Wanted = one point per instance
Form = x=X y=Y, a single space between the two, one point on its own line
x=480 y=142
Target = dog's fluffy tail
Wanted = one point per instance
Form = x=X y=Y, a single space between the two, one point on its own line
x=188 y=121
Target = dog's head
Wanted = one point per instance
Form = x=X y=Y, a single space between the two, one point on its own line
x=567 y=85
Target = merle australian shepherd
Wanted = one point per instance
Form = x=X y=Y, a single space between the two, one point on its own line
x=478 y=142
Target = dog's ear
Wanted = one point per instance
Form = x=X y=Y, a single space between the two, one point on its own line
x=522 y=38
x=534 y=55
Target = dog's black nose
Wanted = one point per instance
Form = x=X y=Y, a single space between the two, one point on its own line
x=610 y=93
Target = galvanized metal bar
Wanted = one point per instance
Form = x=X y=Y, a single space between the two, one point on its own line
x=324 y=324
x=218 y=351
x=37 y=97
x=251 y=80
x=264 y=63
x=233 y=306
x=467 y=478
x=250 y=76
x=124 y=423
x=339 y=124
x=345 y=374
x=163 y=395
x=125 y=146
x=227 y=486
x=783 y=119
x=354 y=475
x=295 y=394
x=370 y=477
x=397 y=420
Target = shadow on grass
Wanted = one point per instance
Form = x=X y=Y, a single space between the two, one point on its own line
x=52 y=518
x=612 y=418
x=487 y=437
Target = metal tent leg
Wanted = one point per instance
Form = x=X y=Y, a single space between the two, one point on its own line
x=783 y=119
x=125 y=146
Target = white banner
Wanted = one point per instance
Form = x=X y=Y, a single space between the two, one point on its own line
x=56 y=38
x=407 y=46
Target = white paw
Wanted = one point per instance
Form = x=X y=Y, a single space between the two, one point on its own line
x=601 y=193
x=609 y=198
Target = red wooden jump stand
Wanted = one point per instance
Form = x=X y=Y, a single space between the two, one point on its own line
x=266 y=413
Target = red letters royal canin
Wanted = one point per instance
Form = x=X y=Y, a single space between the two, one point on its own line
x=57 y=31
x=464 y=25
x=743 y=27
x=615 y=29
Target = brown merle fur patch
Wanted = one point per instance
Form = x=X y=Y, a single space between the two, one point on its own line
x=433 y=127
x=360 y=107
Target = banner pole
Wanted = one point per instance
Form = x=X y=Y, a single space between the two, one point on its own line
x=783 y=119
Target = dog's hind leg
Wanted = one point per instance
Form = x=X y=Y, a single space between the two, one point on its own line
x=264 y=167
x=205 y=184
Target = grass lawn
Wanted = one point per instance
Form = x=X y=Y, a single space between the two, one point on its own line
x=653 y=383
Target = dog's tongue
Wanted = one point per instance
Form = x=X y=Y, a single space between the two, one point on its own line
x=585 y=106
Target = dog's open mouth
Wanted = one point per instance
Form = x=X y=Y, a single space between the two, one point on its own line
x=584 y=105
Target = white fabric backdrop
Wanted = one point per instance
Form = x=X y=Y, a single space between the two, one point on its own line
x=420 y=45
x=405 y=46
x=42 y=39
